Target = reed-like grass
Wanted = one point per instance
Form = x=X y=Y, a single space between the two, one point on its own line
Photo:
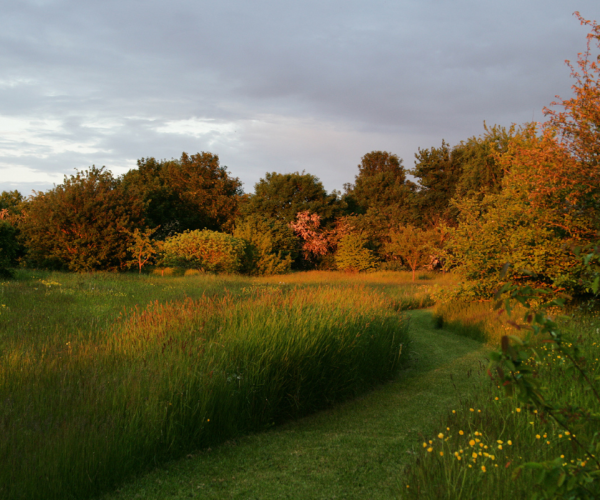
x=480 y=444
x=84 y=409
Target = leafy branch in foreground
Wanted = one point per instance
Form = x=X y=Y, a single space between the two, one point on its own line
x=514 y=368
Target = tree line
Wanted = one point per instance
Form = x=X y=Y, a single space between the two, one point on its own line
x=526 y=195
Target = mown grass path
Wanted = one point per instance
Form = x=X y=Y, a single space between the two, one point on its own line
x=355 y=450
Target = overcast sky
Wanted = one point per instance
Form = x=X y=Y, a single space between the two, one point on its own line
x=269 y=85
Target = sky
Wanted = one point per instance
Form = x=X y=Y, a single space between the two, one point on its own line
x=269 y=85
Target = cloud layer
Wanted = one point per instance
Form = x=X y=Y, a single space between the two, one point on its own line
x=268 y=85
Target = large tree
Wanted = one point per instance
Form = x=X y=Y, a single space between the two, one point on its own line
x=549 y=201
x=437 y=171
x=193 y=192
x=282 y=196
x=82 y=223
x=382 y=187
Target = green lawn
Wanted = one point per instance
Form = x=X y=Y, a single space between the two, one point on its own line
x=354 y=450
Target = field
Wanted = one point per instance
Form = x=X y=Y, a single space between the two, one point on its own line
x=310 y=385
x=107 y=375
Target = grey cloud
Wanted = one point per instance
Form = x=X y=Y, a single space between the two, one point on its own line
x=323 y=82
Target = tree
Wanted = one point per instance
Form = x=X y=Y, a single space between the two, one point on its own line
x=381 y=185
x=352 y=254
x=11 y=201
x=271 y=246
x=481 y=172
x=282 y=196
x=143 y=248
x=438 y=171
x=307 y=226
x=413 y=245
x=80 y=224
x=194 y=192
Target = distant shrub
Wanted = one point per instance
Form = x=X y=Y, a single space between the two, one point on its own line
x=166 y=271
x=352 y=254
x=270 y=245
x=192 y=272
x=205 y=250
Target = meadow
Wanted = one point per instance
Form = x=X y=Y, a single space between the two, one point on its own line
x=106 y=375
x=308 y=385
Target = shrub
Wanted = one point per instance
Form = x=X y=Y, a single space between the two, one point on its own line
x=206 y=250
x=270 y=245
x=80 y=223
x=352 y=254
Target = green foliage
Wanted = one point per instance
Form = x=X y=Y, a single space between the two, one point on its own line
x=80 y=224
x=381 y=185
x=438 y=171
x=8 y=248
x=519 y=379
x=352 y=254
x=481 y=173
x=11 y=201
x=194 y=192
x=271 y=245
x=282 y=196
x=205 y=250
x=413 y=245
x=501 y=229
x=143 y=248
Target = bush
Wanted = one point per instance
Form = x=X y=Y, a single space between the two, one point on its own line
x=270 y=245
x=81 y=223
x=205 y=250
x=352 y=254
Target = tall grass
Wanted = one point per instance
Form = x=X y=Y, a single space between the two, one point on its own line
x=476 y=320
x=81 y=414
x=483 y=441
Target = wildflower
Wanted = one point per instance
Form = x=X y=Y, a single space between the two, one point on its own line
x=537 y=436
x=500 y=441
x=430 y=449
x=474 y=455
x=471 y=409
x=560 y=436
x=509 y=442
x=483 y=468
x=461 y=433
x=518 y=410
x=441 y=436
x=472 y=442
x=441 y=453
x=453 y=411
x=496 y=398
x=499 y=446
x=424 y=445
